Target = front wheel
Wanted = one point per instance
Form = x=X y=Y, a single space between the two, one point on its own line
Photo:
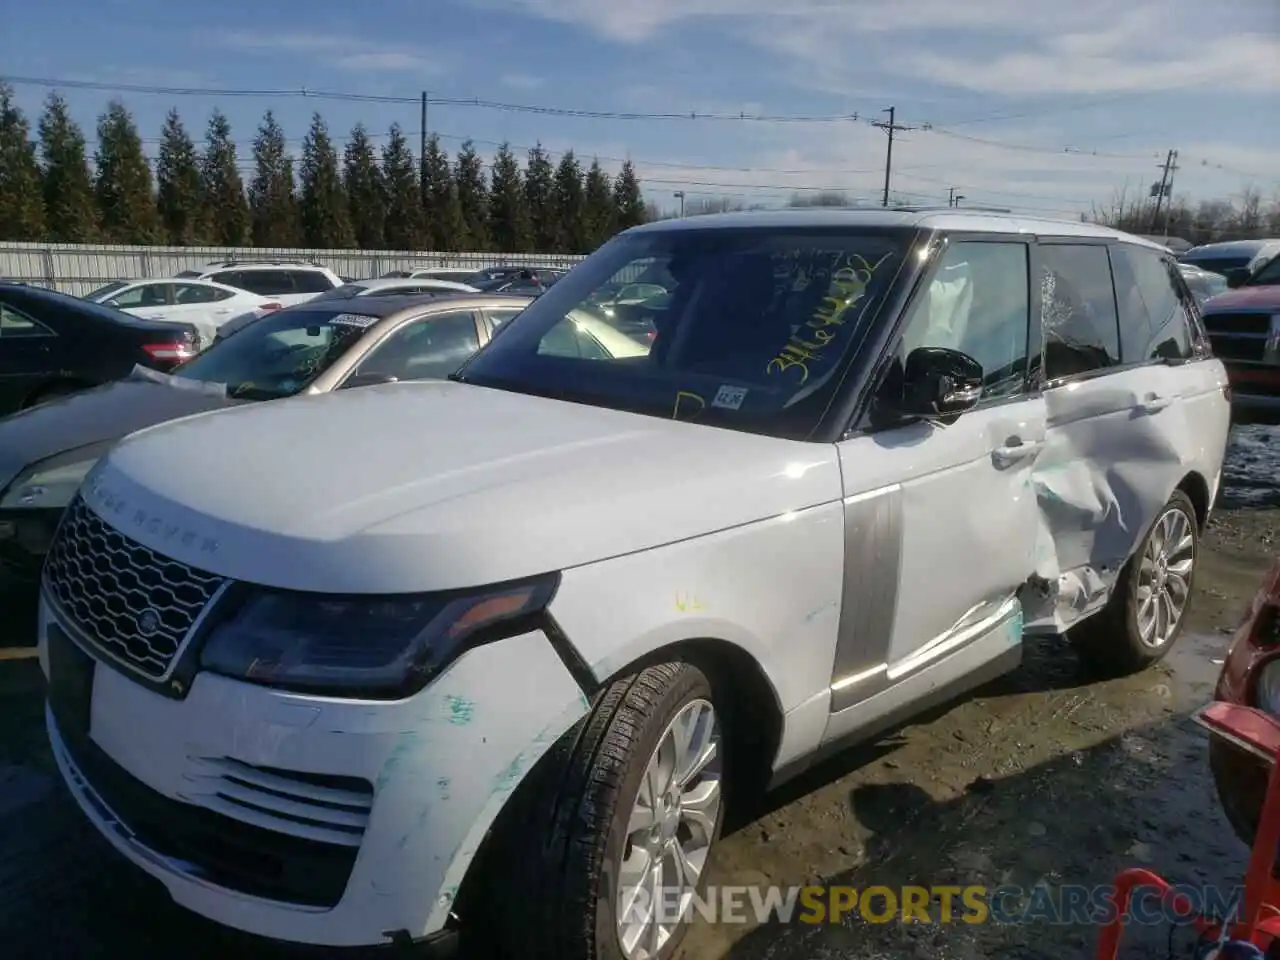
x=1148 y=607
x=603 y=855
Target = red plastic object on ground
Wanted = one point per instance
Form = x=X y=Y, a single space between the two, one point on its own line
x=1259 y=920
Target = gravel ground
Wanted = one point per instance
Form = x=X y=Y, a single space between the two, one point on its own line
x=1042 y=776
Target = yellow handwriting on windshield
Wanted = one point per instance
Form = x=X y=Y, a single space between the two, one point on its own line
x=848 y=285
x=688 y=405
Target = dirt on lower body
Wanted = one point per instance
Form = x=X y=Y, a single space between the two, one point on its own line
x=1041 y=778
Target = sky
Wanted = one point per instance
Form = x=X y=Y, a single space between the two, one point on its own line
x=1047 y=107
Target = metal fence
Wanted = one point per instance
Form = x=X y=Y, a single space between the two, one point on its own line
x=78 y=268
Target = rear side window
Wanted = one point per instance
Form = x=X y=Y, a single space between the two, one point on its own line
x=15 y=323
x=1155 y=323
x=310 y=281
x=1078 y=310
x=189 y=275
x=265 y=283
x=198 y=293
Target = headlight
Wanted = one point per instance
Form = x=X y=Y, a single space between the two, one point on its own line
x=51 y=483
x=1266 y=693
x=367 y=646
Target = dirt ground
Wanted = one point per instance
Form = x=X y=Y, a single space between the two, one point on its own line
x=1041 y=777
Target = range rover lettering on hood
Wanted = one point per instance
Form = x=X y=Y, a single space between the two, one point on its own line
x=109 y=502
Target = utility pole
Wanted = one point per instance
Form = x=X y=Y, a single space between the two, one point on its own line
x=422 y=149
x=679 y=195
x=890 y=127
x=1162 y=188
x=1168 y=207
x=953 y=200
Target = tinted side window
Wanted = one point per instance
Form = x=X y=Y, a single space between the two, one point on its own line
x=232 y=278
x=267 y=283
x=309 y=281
x=1078 y=307
x=1154 y=322
x=978 y=302
x=144 y=295
x=15 y=323
x=197 y=293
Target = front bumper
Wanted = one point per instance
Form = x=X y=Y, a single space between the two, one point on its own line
x=25 y=536
x=308 y=819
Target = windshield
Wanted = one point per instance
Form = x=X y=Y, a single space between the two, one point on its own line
x=1267 y=275
x=101 y=292
x=279 y=354
x=1205 y=284
x=751 y=331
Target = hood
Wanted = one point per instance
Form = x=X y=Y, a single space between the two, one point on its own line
x=1247 y=298
x=103 y=413
x=437 y=485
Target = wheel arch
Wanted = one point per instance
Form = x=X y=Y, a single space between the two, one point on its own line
x=1196 y=487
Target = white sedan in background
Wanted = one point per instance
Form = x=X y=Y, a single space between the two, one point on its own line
x=204 y=304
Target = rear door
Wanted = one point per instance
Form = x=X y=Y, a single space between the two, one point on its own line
x=1115 y=418
x=29 y=355
x=940 y=522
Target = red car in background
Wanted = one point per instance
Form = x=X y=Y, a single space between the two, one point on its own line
x=1250 y=677
x=1244 y=329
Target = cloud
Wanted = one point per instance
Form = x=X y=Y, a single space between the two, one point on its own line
x=521 y=81
x=1020 y=48
x=339 y=50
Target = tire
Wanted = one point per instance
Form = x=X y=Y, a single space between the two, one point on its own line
x=1111 y=643
x=554 y=877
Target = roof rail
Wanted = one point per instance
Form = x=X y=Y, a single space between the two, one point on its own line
x=274 y=263
x=939 y=207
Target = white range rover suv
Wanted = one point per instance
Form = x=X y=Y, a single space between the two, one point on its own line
x=427 y=661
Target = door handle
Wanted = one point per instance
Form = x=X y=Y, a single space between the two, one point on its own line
x=1154 y=403
x=1015 y=449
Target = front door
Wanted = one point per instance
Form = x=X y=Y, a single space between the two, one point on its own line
x=940 y=519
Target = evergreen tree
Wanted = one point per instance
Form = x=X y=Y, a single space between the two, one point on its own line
x=273 y=204
x=627 y=198
x=569 y=203
x=178 y=185
x=366 y=195
x=539 y=187
x=122 y=181
x=404 y=229
x=222 y=188
x=600 y=214
x=71 y=216
x=325 y=221
x=473 y=197
x=21 y=202
x=508 y=216
x=440 y=204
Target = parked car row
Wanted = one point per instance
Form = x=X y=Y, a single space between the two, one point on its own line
x=1244 y=322
x=500 y=633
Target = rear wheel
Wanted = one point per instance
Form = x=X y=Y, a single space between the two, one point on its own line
x=1147 y=609
x=602 y=851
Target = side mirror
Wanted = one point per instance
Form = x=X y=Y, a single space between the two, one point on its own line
x=370 y=379
x=1237 y=277
x=939 y=382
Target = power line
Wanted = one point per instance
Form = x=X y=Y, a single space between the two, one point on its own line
x=536 y=109
x=476 y=102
